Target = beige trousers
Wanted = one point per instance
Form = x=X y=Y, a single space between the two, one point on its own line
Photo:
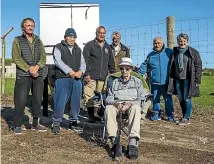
x=133 y=120
x=93 y=85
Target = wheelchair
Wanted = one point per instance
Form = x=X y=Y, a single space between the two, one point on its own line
x=99 y=102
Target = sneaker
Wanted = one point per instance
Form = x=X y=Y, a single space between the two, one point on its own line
x=171 y=119
x=73 y=125
x=56 y=128
x=116 y=153
x=39 y=128
x=18 y=130
x=133 y=152
x=156 y=116
x=183 y=122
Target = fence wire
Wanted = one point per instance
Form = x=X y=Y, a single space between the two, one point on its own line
x=139 y=38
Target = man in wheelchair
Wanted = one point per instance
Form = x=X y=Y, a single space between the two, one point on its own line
x=125 y=96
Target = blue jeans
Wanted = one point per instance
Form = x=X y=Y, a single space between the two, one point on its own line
x=182 y=87
x=157 y=90
x=65 y=89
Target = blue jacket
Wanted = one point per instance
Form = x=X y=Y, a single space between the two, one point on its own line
x=157 y=65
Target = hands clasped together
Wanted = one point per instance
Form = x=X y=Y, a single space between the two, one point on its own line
x=123 y=107
x=77 y=74
x=34 y=71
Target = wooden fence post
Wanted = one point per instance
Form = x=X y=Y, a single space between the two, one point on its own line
x=170 y=31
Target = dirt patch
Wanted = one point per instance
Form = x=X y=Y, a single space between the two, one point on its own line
x=161 y=143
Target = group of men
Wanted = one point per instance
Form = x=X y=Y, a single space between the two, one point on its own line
x=97 y=60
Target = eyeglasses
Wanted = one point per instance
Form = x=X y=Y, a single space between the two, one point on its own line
x=124 y=68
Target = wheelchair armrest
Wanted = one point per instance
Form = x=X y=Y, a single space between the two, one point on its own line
x=148 y=97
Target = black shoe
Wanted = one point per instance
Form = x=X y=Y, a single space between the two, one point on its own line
x=39 y=128
x=133 y=152
x=18 y=130
x=56 y=128
x=73 y=125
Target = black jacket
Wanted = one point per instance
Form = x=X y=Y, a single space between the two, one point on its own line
x=98 y=61
x=194 y=72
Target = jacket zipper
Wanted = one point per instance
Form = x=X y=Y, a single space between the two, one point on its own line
x=160 y=67
x=101 y=62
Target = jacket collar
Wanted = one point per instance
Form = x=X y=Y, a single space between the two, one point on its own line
x=126 y=82
x=175 y=49
x=24 y=36
x=123 y=47
x=96 y=42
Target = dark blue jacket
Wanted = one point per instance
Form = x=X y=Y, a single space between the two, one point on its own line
x=157 y=65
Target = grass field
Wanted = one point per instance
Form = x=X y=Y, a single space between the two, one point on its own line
x=206 y=89
x=206 y=100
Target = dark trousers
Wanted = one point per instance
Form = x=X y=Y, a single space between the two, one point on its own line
x=21 y=91
x=45 y=98
x=182 y=87
x=157 y=90
x=65 y=89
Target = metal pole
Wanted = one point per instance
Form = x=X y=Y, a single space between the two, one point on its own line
x=170 y=31
x=3 y=60
x=3 y=66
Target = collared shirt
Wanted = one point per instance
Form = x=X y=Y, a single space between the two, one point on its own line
x=16 y=54
x=117 y=49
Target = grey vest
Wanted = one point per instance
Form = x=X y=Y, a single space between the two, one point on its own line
x=26 y=54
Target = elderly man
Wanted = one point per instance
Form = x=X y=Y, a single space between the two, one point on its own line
x=28 y=54
x=125 y=95
x=70 y=66
x=99 y=62
x=119 y=50
x=157 y=65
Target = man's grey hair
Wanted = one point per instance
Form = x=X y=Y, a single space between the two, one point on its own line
x=157 y=38
x=25 y=20
x=182 y=35
x=115 y=33
x=98 y=29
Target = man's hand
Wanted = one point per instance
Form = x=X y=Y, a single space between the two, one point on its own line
x=36 y=75
x=72 y=74
x=34 y=70
x=78 y=74
x=118 y=105
x=126 y=106
x=87 y=79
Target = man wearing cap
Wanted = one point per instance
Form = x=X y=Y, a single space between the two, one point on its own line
x=99 y=62
x=125 y=95
x=70 y=66
x=119 y=50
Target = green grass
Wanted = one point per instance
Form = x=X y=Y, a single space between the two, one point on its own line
x=9 y=86
x=205 y=99
x=206 y=88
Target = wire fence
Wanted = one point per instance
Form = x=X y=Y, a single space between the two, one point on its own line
x=139 y=39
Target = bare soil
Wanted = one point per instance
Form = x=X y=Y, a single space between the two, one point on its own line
x=161 y=143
